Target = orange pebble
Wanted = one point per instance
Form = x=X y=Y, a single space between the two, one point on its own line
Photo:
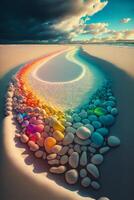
x=49 y=143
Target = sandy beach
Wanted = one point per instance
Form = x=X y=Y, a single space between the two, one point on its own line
x=116 y=172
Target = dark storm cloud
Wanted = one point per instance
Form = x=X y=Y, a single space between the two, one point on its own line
x=33 y=19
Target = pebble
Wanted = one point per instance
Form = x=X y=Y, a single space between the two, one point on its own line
x=68 y=139
x=76 y=118
x=71 y=176
x=33 y=146
x=109 y=103
x=64 y=150
x=39 y=154
x=63 y=160
x=56 y=149
x=40 y=142
x=97 y=159
x=57 y=125
x=113 y=141
x=83 y=148
x=74 y=160
x=83 y=173
x=58 y=135
x=81 y=142
x=114 y=111
x=24 y=138
x=97 y=138
x=95 y=185
x=77 y=148
x=47 y=128
x=51 y=156
x=107 y=120
x=104 y=149
x=99 y=111
x=83 y=158
x=96 y=124
x=85 y=182
x=58 y=170
x=77 y=125
x=85 y=121
x=53 y=162
x=92 y=118
x=83 y=114
x=70 y=129
x=103 y=131
x=92 y=169
x=49 y=143
x=67 y=124
x=70 y=151
x=83 y=133
x=91 y=149
x=69 y=118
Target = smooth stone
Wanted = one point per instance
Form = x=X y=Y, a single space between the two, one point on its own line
x=68 y=139
x=109 y=108
x=49 y=143
x=40 y=142
x=64 y=150
x=83 y=133
x=70 y=151
x=97 y=159
x=58 y=135
x=51 y=156
x=71 y=176
x=93 y=170
x=97 y=138
x=97 y=102
x=69 y=118
x=107 y=120
x=77 y=124
x=77 y=148
x=113 y=141
x=70 y=129
x=47 y=128
x=109 y=103
x=56 y=148
x=24 y=138
x=64 y=159
x=39 y=154
x=85 y=182
x=92 y=149
x=103 y=131
x=83 y=114
x=95 y=185
x=74 y=160
x=90 y=127
x=86 y=121
x=83 y=158
x=81 y=142
x=76 y=117
x=58 y=170
x=96 y=124
x=83 y=173
x=53 y=162
x=57 y=125
x=66 y=124
x=114 y=111
x=33 y=146
x=99 y=111
x=92 y=118
x=104 y=150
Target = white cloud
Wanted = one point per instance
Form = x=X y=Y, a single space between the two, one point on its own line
x=90 y=7
x=97 y=28
x=125 y=20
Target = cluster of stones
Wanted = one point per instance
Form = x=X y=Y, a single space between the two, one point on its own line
x=73 y=143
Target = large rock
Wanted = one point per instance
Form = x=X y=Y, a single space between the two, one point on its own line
x=71 y=176
x=93 y=170
x=83 y=133
x=113 y=141
x=74 y=160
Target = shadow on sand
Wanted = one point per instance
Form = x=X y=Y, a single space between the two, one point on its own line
x=117 y=170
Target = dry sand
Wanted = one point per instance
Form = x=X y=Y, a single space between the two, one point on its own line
x=117 y=170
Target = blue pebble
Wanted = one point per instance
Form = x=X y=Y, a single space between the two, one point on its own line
x=96 y=124
x=114 y=111
x=97 y=138
x=103 y=131
x=92 y=118
x=86 y=121
x=107 y=120
x=109 y=108
x=97 y=102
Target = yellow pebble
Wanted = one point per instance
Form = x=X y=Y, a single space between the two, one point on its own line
x=58 y=126
x=58 y=135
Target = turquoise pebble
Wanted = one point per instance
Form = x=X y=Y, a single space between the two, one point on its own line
x=114 y=111
x=96 y=124
x=92 y=118
x=103 y=131
x=97 y=138
x=107 y=120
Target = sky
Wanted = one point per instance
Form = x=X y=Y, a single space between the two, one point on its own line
x=66 y=20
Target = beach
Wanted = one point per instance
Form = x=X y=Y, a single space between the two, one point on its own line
x=116 y=178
